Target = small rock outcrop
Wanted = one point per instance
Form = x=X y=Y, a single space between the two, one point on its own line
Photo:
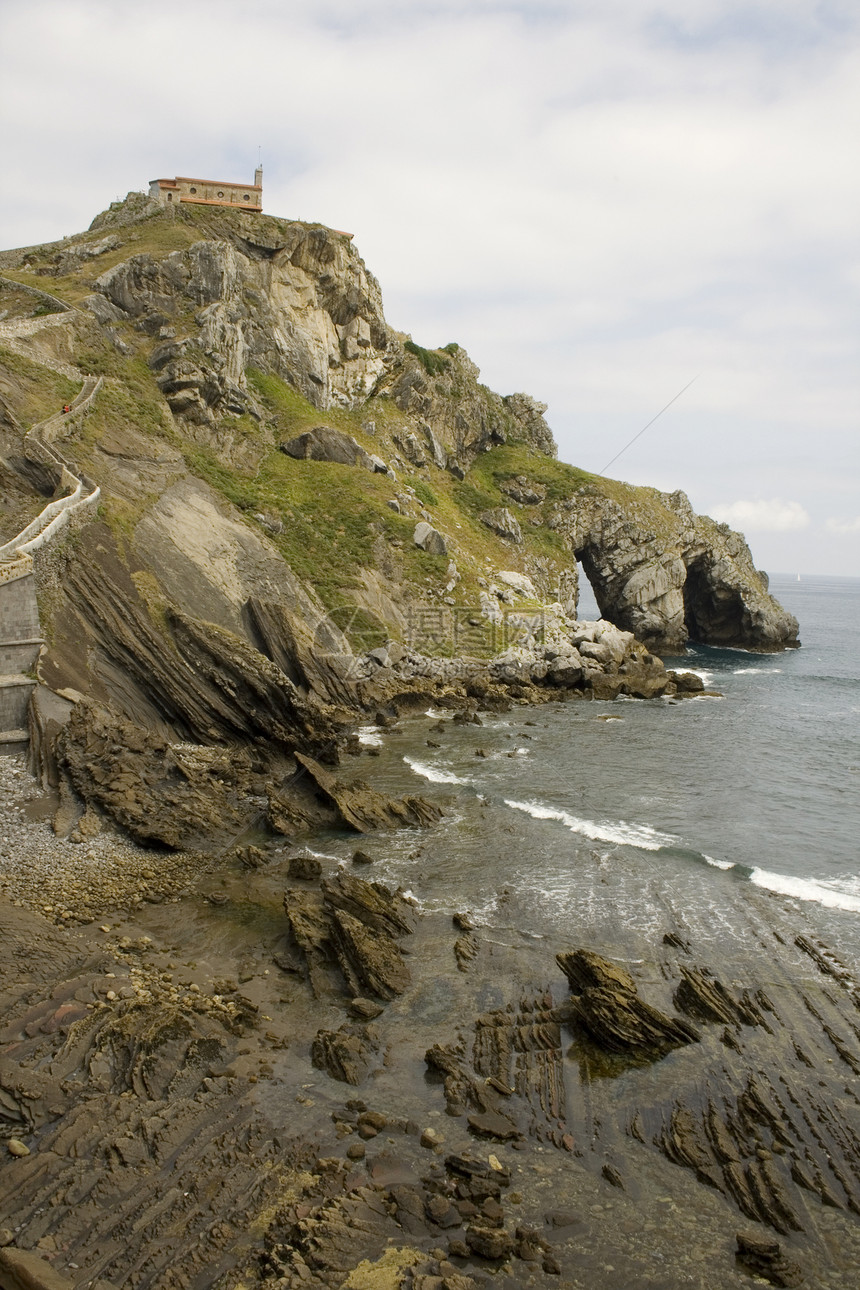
x=501 y=521
x=358 y=806
x=766 y=1259
x=322 y=443
x=356 y=925
x=606 y=1003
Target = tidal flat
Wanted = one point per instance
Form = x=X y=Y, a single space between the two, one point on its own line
x=175 y=1067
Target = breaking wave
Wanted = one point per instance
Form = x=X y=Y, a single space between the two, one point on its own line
x=618 y=832
x=433 y=773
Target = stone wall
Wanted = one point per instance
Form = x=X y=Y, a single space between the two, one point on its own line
x=29 y=561
x=37 y=292
x=20 y=633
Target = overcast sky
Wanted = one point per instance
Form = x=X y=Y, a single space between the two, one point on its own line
x=601 y=200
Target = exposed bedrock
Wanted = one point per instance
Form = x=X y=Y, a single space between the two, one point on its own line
x=606 y=1003
x=669 y=575
x=299 y=302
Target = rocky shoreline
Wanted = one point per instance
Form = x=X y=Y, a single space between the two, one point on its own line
x=230 y=1059
x=271 y=1071
x=284 y=769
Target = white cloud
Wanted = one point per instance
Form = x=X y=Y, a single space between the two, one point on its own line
x=598 y=198
x=774 y=516
x=844 y=526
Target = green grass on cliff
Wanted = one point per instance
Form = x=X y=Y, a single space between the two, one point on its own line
x=332 y=523
x=34 y=392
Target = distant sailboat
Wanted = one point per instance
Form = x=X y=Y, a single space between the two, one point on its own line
x=798 y=577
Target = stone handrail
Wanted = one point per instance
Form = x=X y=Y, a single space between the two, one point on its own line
x=9 y=551
x=62 y=305
x=47 y=431
x=16 y=556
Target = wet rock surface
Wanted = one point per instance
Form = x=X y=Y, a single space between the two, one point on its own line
x=606 y=1003
x=189 y=1106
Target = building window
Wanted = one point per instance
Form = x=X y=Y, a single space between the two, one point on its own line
x=246 y=198
x=220 y=194
x=170 y=197
x=192 y=190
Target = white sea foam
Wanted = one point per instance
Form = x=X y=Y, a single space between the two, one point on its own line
x=756 y=671
x=805 y=889
x=433 y=773
x=618 y=832
x=720 y=864
x=370 y=736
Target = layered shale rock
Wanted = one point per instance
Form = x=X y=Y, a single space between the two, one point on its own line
x=509 y=1083
x=357 y=926
x=315 y=796
x=605 y=1002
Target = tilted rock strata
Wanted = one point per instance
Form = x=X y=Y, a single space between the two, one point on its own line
x=606 y=1003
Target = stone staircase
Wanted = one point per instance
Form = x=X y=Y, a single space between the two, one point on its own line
x=20 y=631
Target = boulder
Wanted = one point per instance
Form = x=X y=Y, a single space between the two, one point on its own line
x=323 y=443
x=518 y=582
x=765 y=1258
x=429 y=539
x=687 y=682
x=565 y=671
x=304 y=865
x=346 y=1054
x=489 y=1242
x=502 y=522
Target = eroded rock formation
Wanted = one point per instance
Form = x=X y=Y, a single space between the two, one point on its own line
x=669 y=575
x=606 y=1003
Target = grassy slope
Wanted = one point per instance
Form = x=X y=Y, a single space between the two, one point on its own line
x=34 y=392
x=335 y=519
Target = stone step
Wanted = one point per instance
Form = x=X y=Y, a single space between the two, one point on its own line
x=15 y=694
x=17 y=657
x=13 y=742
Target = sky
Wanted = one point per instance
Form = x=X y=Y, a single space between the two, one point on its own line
x=602 y=200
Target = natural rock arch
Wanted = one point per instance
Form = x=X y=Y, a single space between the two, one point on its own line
x=668 y=575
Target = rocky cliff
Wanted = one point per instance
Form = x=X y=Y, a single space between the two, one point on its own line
x=304 y=513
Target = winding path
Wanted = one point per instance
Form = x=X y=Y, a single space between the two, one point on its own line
x=20 y=631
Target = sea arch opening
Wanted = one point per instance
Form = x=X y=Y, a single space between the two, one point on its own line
x=588 y=605
x=714 y=614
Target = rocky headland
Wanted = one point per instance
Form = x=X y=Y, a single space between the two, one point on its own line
x=227 y=1059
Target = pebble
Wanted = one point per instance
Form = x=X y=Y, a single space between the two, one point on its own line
x=68 y=881
x=17 y=1148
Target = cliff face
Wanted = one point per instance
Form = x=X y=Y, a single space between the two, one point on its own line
x=277 y=463
x=298 y=302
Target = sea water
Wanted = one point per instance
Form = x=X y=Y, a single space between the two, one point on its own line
x=621 y=820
